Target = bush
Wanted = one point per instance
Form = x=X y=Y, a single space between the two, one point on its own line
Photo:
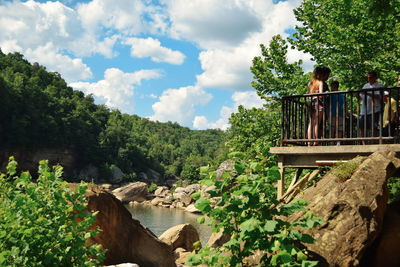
x=244 y=206
x=152 y=188
x=43 y=223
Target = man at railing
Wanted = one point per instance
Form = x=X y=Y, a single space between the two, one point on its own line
x=370 y=105
x=389 y=115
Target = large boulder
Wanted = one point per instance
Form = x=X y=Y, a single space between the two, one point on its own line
x=136 y=191
x=353 y=209
x=116 y=175
x=89 y=173
x=182 y=197
x=181 y=236
x=125 y=239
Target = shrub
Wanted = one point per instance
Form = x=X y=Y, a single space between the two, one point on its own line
x=43 y=223
x=152 y=188
x=245 y=207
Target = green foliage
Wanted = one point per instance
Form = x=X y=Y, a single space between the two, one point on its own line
x=245 y=207
x=44 y=223
x=152 y=188
x=344 y=170
x=274 y=75
x=254 y=131
x=394 y=189
x=39 y=110
x=351 y=37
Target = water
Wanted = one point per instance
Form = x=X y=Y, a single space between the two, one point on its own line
x=158 y=219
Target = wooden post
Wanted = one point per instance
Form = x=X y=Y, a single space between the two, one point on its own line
x=281 y=182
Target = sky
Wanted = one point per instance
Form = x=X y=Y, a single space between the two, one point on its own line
x=185 y=61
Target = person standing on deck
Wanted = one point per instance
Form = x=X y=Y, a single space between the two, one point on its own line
x=370 y=105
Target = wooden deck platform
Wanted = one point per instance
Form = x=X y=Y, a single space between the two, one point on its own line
x=310 y=157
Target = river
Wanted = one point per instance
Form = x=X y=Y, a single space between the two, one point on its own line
x=159 y=219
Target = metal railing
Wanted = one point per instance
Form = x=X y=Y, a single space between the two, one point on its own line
x=345 y=117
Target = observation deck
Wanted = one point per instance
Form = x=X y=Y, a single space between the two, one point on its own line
x=349 y=124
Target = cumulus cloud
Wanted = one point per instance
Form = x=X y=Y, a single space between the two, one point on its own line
x=73 y=69
x=229 y=34
x=117 y=87
x=149 y=47
x=248 y=99
x=178 y=105
x=212 y=23
x=43 y=32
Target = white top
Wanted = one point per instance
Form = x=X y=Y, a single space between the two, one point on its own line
x=377 y=102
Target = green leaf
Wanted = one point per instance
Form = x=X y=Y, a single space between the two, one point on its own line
x=203 y=205
x=270 y=225
x=249 y=225
x=240 y=168
x=238 y=155
x=201 y=220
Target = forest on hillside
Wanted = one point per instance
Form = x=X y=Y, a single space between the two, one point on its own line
x=38 y=109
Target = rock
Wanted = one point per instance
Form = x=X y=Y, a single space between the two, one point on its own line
x=218 y=239
x=191 y=208
x=89 y=173
x=181 y=256
x=224 y=167
x=190 y=189
x=124 y=238
x=131 y=192
x=386 y=249
x=181 y=236
x=182 y=197
x=116 y=175
x=161 y=191
x=352 y=210
x=153 y=176
x=179 y=205
x=107 y=187
x=157 y=201
x=179 y=190
x=171 y=179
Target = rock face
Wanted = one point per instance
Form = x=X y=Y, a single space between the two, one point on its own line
x=131 y=192
x=353 y=209
x=125 y=239
x=116 y=175
x=181 y=236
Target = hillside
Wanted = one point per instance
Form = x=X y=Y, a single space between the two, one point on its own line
x=39 y=110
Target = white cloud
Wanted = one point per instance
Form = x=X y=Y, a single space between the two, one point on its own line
x=212 y=23
x=230 y=33
x=178 y=105
x=117 y=87
x=149 y=47
x=71 y=69
x=248 y=99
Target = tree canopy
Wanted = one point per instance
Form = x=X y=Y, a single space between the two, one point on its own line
x=38 y=109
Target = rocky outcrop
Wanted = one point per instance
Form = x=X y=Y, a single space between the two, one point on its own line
x=116 y=175
x=181 y=236
x=28 y=158
x=125 y=239
x=131 y=192
x=218 y=239
x=353 y=209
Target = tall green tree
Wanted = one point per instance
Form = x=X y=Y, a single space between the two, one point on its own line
x=351 y=37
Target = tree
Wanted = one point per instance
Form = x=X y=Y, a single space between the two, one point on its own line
x=274 y=75
x=351 y=37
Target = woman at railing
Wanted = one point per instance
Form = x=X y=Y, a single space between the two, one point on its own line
x=317 y=107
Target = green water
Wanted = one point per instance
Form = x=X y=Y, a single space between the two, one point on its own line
x=159 y=219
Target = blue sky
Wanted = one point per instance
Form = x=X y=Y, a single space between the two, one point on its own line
x=168 y=60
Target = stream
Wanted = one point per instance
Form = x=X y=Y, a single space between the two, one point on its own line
x=159 y=219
